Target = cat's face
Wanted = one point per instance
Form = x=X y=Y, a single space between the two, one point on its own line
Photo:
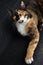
x=22 y=16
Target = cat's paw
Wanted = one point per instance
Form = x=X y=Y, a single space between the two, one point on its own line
x=29 y=61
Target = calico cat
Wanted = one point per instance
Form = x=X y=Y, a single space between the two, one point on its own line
x=27 y=19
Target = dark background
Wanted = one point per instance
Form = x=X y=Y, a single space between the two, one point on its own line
x=12 y=45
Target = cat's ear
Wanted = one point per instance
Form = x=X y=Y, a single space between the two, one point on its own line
x=23 y=4
x=10 y=12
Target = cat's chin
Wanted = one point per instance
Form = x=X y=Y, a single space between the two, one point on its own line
x=29 y=61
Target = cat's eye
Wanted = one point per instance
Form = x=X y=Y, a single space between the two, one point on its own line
x=29 y=16
x=19 y=14
x=26 y=15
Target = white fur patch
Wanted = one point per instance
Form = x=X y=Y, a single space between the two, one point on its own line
x=29 y=61
x=21 y=26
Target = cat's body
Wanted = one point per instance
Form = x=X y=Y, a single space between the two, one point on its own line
x=26 y=21
x=28 y=27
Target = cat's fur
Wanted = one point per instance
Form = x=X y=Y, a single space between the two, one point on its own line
x=27 y=20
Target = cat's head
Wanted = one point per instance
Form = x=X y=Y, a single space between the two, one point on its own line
x=23 y=17
x=20 y=15
x=24 y=14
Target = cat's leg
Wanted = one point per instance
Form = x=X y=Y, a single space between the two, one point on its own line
x=31 y=48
